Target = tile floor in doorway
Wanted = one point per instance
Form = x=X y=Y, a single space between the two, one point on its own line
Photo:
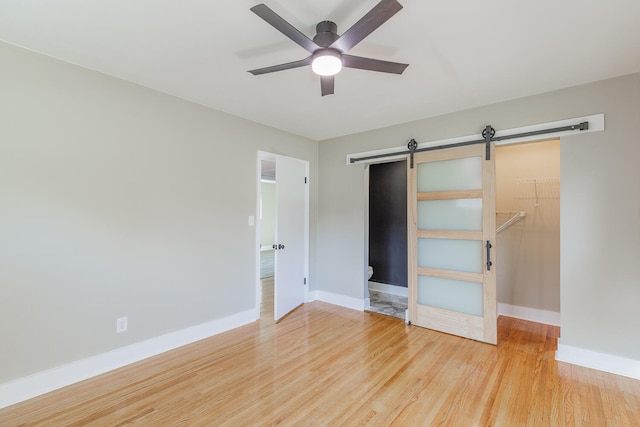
x=388 y=304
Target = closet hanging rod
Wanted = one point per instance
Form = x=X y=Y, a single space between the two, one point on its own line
x=487 y=137
x=514 y=217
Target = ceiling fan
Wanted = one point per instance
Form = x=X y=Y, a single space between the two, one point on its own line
x=328 y=49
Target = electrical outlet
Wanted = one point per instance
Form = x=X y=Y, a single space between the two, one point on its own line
x=121 y=324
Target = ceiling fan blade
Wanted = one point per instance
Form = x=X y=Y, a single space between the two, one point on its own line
x=326 y=84
x=367 y=25
x=361 y=63
x=284 y=27
x=281 y=67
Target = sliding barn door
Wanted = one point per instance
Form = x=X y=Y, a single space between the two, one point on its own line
x=451 y=228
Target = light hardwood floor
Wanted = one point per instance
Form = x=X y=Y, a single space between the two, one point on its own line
x=327 y=365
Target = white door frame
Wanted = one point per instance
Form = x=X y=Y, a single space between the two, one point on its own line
x=263 y=155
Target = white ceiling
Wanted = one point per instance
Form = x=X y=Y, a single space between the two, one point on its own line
x=462 y=53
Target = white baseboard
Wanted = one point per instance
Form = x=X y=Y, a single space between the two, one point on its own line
x=600 y=361
x=389 y=289
x=337 y=299
x=531 y=314
x=43 y=382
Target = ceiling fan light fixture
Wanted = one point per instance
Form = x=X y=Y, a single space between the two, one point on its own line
x=326 y=62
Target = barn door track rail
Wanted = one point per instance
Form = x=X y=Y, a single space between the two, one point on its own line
x=488 y=136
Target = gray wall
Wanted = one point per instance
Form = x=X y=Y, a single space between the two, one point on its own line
x=600 y=205
x=118 y=200
x=115 y=200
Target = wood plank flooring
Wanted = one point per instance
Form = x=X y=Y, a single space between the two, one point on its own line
x=327 y=365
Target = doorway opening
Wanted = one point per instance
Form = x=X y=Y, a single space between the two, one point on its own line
x=387 y=237
x=282 y=235
x=528 y=230
x=267 y=226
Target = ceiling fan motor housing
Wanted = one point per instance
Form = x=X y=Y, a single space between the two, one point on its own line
x=327 y=33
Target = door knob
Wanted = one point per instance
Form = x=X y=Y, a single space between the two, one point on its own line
x=280 y=246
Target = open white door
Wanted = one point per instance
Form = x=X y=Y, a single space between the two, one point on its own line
x=290 y=254
x=452 y=229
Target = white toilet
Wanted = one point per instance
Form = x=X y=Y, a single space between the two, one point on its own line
x=370 y=272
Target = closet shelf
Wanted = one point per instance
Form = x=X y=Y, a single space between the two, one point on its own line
x=504 y=219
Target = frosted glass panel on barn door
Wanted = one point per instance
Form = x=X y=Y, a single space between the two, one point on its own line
x=452 y=242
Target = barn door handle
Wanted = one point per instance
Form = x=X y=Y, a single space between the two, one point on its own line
x=489 y=263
